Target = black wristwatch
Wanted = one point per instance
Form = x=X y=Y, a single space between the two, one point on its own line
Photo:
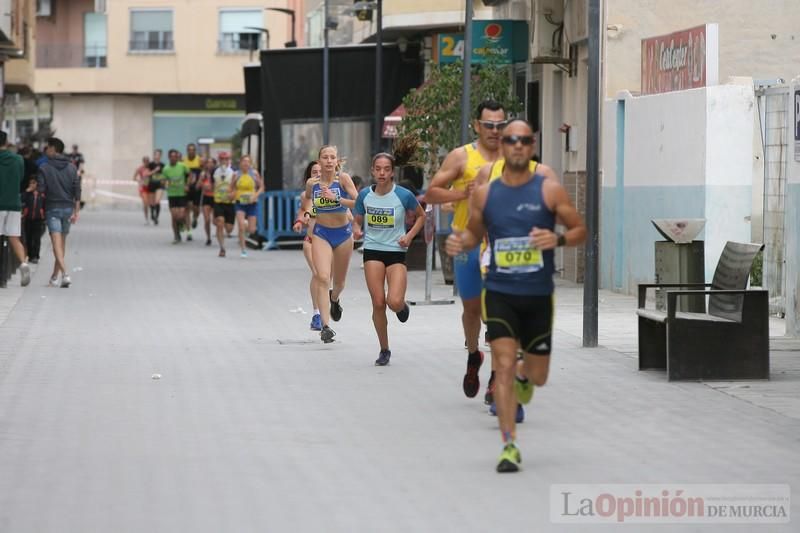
x=562 y=241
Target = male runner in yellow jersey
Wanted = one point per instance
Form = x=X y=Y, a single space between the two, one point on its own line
x=454 y=182
x=194 y=163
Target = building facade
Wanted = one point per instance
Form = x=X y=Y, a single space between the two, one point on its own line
x=122 y=78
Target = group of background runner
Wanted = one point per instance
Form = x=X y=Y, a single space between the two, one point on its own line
x=224 y=194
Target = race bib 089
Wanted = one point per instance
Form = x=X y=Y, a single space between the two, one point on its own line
x=380 y=218
x=516 y=255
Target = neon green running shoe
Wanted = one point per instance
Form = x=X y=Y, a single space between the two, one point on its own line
x=524 y=391
x=510 y=459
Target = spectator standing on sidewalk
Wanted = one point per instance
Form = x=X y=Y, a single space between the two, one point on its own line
x=33 y=220
x=76 y=158
x=58 y=179
x=12 y=168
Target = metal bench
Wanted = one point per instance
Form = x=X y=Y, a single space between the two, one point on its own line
x=729 y=341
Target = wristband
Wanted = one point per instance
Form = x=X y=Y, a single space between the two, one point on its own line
x=562 y=241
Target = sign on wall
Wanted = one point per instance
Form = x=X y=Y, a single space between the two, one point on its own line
x=686 y=59
x=504 y=41
x=797 y=125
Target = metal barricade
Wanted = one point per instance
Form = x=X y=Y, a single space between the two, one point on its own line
x=276 y=212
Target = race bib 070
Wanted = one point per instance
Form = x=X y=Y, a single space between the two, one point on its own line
x=380 y=218
x=516 y=255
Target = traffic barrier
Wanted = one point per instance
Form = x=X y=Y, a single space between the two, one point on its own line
x=276 y=216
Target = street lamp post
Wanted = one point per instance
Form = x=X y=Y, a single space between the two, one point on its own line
x=466 y=90
x=291 y=13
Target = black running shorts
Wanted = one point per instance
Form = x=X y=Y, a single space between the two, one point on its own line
x=387 y=258
x=177 y=201
x=529 y=319
x=155 y=185
x=225 y=211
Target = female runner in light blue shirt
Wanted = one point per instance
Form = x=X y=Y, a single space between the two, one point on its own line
x=381 y=211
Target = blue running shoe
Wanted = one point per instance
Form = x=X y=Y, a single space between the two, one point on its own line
x=520 y=412
x=316 y=323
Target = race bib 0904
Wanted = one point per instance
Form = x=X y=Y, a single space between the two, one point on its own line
x=322 y=203
x=516 y=255
x=380 y=218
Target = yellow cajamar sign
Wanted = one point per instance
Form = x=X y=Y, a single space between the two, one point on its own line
x=380 y=218
x=517 y=255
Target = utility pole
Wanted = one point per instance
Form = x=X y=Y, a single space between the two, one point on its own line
x=376 y=139
x=591 y=270
x=326 y=111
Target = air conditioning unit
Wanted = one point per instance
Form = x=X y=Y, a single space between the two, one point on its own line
x=44 y=8
x=99 y=6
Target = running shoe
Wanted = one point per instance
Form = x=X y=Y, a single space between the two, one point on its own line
x=316 y=322
x=383 y=358
x=208 y=242
x=222 y=253
x=327 y=334
x=336 y=308
x=54 y=282
x=520 y=418
x=65 y=282
x=488 y=398
x=243 y=255
x=472 y=383
x=402 y=315
x=510 y=459
x=188 y=236
x=523 y=390
x=25 y=274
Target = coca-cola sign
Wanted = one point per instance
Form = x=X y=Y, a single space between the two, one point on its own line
x=682 y=60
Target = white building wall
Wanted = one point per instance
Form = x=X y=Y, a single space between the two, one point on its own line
x=686 y=154
x=113 y=133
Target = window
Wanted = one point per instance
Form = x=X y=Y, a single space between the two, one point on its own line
x=44 y=8
x=151 y=30
x=94 y=40
x=236 y=31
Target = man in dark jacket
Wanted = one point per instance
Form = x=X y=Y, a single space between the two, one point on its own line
x=59 y=182
x=11 y=171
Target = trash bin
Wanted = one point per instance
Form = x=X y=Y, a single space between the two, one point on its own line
x=680 y=259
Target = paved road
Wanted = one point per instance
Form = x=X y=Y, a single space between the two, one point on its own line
x=256 y=426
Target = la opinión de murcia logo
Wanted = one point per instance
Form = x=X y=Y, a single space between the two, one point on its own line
x=696 y=504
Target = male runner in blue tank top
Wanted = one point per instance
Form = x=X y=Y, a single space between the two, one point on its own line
x=519 y=213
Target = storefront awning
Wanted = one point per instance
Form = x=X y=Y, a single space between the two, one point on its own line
x=392 y=120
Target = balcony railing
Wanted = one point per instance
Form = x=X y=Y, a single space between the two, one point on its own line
x=241 y=45
x=69 y=55
x=154 y=46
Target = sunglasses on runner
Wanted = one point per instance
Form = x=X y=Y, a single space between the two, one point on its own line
x=511 y=140
x=490 y=125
